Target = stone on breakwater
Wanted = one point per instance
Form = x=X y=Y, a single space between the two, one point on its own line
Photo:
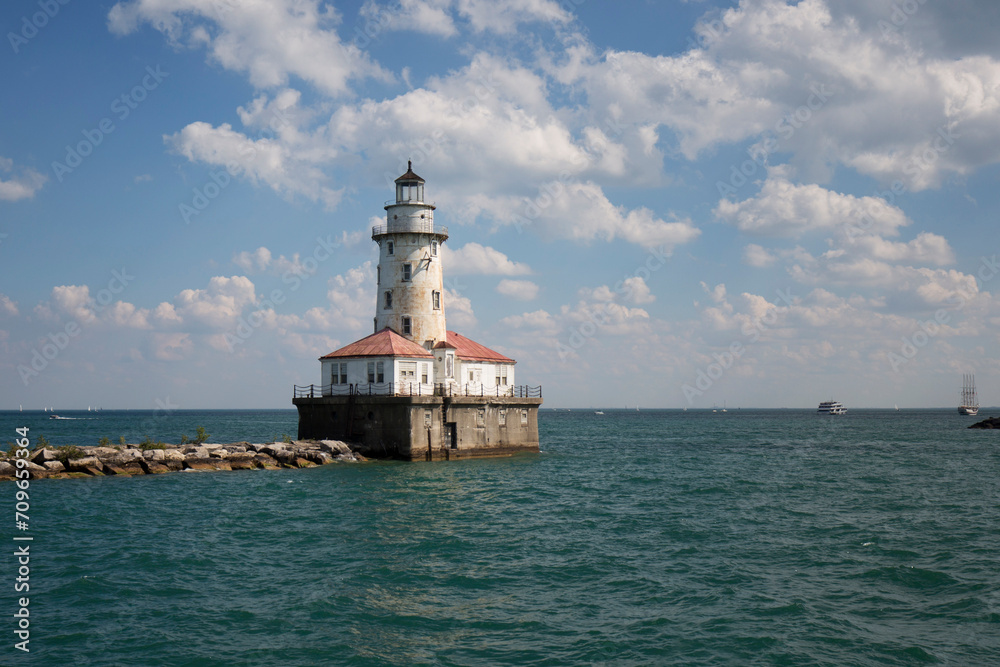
x=266 y=461
x=43 y=455
x=206 y=464
x=989 y=423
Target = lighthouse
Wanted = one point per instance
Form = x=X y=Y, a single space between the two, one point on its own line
x=409 y=274
x=413 y=389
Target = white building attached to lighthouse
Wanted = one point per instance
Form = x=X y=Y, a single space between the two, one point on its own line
x=413 y=354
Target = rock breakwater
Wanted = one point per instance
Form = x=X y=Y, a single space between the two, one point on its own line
x=991 y=422
x=128 y=460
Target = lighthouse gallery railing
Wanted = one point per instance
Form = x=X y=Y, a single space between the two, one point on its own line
x=415 y=389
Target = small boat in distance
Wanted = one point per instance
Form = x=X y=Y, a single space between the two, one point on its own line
x=970 y=401
x=598 y=412
x=831 y=408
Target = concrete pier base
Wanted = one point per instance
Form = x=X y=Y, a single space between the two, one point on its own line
x=423 y=428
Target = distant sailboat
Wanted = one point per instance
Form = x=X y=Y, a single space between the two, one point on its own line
x=970 y=401
x=895 y=406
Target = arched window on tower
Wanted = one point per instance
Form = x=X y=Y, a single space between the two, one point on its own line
x=388 y=248
x=388 y=299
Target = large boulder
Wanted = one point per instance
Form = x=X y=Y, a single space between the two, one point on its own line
x=319 y=458
x=102 y=452
x=83 y=464
x=242 y=461
x=173 y=455
x=155 y=467
x=55 y=466
x=43 y=455
x=132 y=453
x=7 y=469
x=273 y=449
x=206 y=463
x=266 y=461
x=154 y=454
x=219 y=453
x=195 y=451
x=334 y=447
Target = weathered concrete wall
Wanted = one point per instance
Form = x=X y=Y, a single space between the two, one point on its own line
x=423 y=428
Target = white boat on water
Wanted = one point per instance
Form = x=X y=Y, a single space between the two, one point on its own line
x=831 y=408
x=970 y=401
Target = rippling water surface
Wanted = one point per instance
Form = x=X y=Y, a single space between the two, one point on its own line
x=654 y=537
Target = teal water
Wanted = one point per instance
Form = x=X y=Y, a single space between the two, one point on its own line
x=657 y=537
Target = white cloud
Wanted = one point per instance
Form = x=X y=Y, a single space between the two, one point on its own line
x=275 y=163
x=757 y=256
x=523 y=290
x=7 y=306
x=474 y=258
x=23 y=185
x=823 y=86
x=352 y=298
x=427 y=16
x=782 y=208
x=458 y=310
x=503 y=16
x=637 y=291
x=270 y=41
x=171 y=346
x=258 y=260
x=74 y=301
x=218 y=306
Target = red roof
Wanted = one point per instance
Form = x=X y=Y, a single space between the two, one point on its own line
x=470 y=350
x=385 y=343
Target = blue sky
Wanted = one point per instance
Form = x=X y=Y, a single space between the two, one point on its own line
x=669 y=204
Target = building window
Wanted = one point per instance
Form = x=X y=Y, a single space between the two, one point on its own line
x=380 y=372
x=434 y=248
x=436 y=300
x=388 y=247
x=449 y=365
x=388 y=300
x=371 y=372
x=524 y=417
x=427 y=418
x=481 y=417
x=407 y=326
x=338 y=373
x=407 y=268
x=378 y=275
x=470 y=376
x=423 y=373
x=501 y=375
x=503 y=417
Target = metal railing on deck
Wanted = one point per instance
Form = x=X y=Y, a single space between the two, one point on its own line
x=415 y=389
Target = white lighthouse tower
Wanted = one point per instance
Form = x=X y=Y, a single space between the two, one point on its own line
x=410 y=278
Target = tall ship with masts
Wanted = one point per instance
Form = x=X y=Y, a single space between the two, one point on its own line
x=970 y=401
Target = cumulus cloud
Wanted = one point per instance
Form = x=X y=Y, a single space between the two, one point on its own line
x=758 y=256
x=218 y=306
x=802 y=76
x=785 y=209
x=523 y=290
x=475 y=258
x=270 y=41
x=24 y=183
x=7 y=306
